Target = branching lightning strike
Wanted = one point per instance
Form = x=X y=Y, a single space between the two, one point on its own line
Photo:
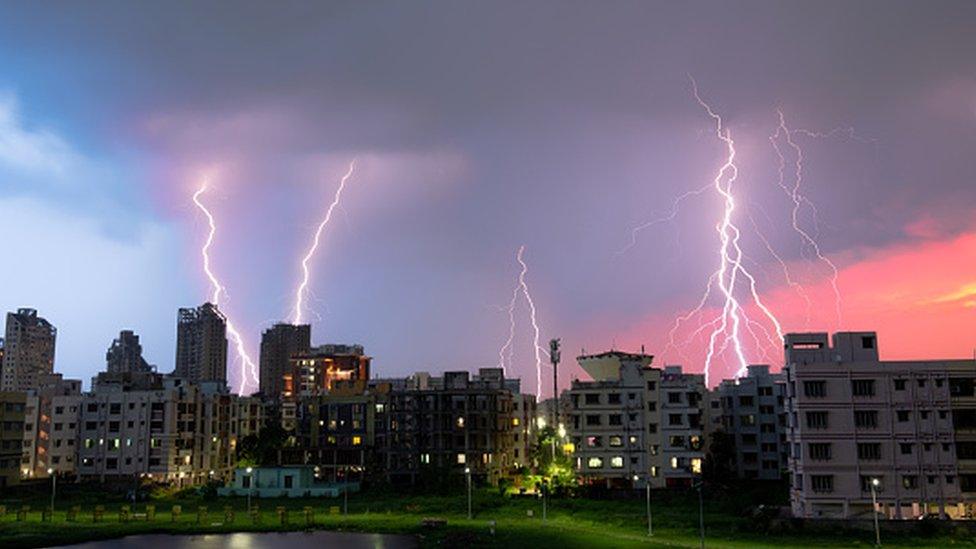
x=248 y=367
x=507 y=350
x=302 y=290
x=729 y=327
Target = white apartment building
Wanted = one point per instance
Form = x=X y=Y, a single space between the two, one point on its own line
x=635 y=424
x=524 y=429
x=751 y=411
x=163 y=428
x=854 y=418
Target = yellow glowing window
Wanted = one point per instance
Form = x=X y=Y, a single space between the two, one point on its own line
x=696 y=464
x=515 y=421
x=462 y=459
x=356 y=441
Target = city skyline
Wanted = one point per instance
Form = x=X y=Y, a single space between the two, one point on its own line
x=459 y=166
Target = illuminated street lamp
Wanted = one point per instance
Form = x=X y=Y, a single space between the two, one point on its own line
x=54 y=488
x=467 y=472
x=250 y=487
x=875 y=483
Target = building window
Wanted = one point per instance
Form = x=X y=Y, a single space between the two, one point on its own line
x=906 y=448
x=357 y=440
x=820 y=451
x=866 y=419
x=615 y=419
x=674 y=398
x=462 y=459
x=652 y=427
x=595 y=463
x=899 y=384
x=613 y=398
x=425 y=458
x=677 y=441
x=593 y=419
x=616 y=442
x=592 y=398
x=817 y=420
x=815 y=389
x=869 y=451
x=594 y=442
x=822 y=484
x=696 y=466
x=862 y=387
x=674 y=419
x=909 y=482
x=651 y=385
x=903 y=415
x=617 y=462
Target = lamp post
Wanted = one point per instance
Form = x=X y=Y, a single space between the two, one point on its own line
x=647 y=490
x=875 y=482
x=250 y=487
x=54 y=489
x=345 y=490
x=467 y=473
x=701 y=513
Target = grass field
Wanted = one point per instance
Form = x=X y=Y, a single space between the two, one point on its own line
x=570 y=523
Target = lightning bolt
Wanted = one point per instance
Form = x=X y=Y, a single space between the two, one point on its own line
x=731 y=277
x=522 y=288
x=795 y=193
x=247 y=365
x=302 y=290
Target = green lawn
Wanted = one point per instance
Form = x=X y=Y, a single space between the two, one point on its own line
x=571 y=522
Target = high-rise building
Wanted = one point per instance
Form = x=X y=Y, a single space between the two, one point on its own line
x=902 y=431
x=125 y=354
x=201 y=344
x=279 y=344
x=28 y=350
x=50 y=426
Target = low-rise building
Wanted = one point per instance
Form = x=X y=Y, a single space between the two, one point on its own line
x=855 y=419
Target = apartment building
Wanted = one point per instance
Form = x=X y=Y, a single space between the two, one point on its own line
x=125 y=354
x=161 y=427
x=751 y=410
x=854 y=418
x=279 y=344
x=201 y=344
x=608 y=418
x=525 y=414
x=12 y=408
x=681 y=401
x=28 y=350
x=50 y=427
x=444 y=425
x=313 y=373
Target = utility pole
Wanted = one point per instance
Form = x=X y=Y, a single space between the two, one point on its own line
x=554 y=355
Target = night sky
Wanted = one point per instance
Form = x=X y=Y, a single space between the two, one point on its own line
x=478 y=128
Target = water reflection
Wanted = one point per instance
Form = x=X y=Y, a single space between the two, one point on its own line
x=247 y=540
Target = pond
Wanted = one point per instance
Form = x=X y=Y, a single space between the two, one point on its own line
x=252 y=540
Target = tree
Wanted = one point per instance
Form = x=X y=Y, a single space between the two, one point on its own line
x=261 y=450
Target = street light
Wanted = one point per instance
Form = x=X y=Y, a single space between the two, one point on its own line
x=647 y=487
x=250 y=488
x=467 y=472
x=875 y=482
x=54 y=488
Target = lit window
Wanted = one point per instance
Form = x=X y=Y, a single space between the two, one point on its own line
x=356 y=441
x=696 y=465
x=462 y=459
x=424 y=458
x=654 y=470
x=595 y=463
x=617 y=462
x=674 y=463
x=515 y=421
x=460 y=421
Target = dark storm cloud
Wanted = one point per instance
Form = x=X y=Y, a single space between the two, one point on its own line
x=573 y=122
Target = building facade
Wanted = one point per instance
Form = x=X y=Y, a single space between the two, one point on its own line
x=50 y=427
x=201 y=344
x=279 y=344
x=13 y=405
x=752 y=411
x=854 y=419
x=28 y=350
x=315 y=372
